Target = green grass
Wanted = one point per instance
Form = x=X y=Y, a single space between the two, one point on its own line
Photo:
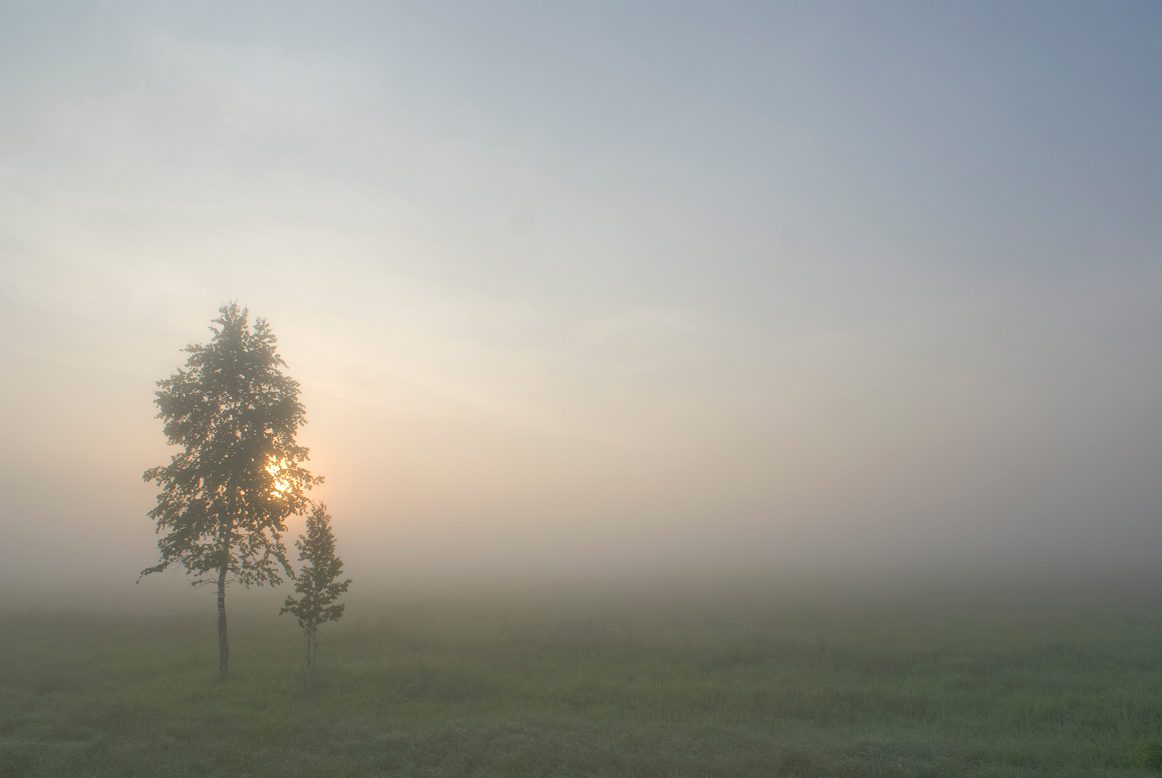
x=469 y=688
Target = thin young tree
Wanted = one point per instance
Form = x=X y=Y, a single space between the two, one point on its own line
x=318 y=582
x=226 y=496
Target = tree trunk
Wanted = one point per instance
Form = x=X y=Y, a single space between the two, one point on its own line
x=224 y=567
x=223 y=642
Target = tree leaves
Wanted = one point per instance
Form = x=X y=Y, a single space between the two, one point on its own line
x=235 y=413
x=317 y=582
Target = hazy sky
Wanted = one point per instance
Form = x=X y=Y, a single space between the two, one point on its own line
x=589 y=288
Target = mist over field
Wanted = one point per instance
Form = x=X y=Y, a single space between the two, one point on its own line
x=701 y=389
x=585 y=292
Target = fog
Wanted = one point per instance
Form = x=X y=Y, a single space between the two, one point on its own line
x=583 y=292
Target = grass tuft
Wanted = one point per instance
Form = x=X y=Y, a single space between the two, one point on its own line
x=1150 y=755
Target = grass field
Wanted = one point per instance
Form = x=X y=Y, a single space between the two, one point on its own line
x=540 y=687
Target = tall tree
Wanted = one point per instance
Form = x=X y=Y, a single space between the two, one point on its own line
x=225 y=498
x=318 y=582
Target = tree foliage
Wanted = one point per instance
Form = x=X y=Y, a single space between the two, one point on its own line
x=226 y=496
x=318 y=582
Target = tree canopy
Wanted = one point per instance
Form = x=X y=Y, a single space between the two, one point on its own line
x=318 y=582
x=226 y=496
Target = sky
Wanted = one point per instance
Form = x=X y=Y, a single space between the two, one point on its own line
x=599 y=288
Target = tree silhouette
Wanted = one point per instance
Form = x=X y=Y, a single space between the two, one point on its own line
x=318 y=582
x=225 y=498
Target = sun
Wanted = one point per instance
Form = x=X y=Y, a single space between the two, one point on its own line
x=279 y=485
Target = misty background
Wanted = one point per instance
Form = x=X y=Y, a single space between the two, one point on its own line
x=598 y=289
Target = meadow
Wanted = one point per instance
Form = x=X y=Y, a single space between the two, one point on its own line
x=556 y=684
